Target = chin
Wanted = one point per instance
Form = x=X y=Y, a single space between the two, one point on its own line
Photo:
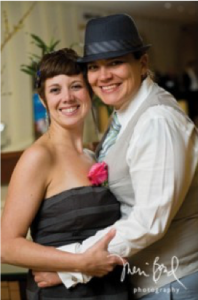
x=108 y=100
x=111 y=103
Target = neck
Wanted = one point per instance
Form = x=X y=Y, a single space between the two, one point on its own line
x=70 y=138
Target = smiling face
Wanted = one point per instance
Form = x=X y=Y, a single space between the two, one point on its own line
x=116 y=81
x=67 y=99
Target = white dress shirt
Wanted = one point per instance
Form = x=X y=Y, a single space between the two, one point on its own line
x=157 y=198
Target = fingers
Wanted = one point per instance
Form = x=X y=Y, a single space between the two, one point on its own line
x=43 y=284
x=38 y=278
x=104 y=242
x=46 y=279
x=117 y=259
x=97 y=260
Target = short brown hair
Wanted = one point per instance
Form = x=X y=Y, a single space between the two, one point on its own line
x=63 y=61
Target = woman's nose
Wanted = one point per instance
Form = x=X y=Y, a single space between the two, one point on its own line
x=104 y=74
x=67 y=96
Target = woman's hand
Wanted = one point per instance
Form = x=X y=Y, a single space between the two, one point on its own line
x=97 y=261
x=46 y=279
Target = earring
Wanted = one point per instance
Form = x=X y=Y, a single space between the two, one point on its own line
x=143 y=76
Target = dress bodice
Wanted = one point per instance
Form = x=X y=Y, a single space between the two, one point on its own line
x=72 y=216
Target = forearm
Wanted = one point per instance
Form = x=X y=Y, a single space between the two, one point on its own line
x=159 y=181
x=25 y=253
x=159 y=184
x=99 y=263
x=123 y=243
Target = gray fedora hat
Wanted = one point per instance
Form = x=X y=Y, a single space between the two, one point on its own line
x=111 y=36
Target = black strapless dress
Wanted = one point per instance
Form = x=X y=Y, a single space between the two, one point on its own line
x=72 y=216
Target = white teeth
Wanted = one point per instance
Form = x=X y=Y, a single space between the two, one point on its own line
x=110 y=87
x=69 y=110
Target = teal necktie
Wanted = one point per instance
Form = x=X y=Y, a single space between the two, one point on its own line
x=111 y=137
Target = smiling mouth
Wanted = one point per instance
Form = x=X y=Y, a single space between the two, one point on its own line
x=70 y=110
x=110 y=88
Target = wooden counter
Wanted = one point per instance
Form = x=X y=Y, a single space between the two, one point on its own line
x=8 y=162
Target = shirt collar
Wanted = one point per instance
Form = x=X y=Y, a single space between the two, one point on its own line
x=124 y=115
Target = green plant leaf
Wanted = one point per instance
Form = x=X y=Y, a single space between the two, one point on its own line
x=53 y=45
x=34 y=56
x=31 y=68
x=39 y=42
x=28 y=70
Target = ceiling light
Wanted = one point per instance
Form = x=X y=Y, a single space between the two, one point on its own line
x=168 y=5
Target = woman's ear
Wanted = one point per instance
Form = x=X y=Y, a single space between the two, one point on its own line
x=144 y=60
x=144 y=64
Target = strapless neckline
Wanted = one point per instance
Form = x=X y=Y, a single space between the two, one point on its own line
x=87 y=188
x=72 y=216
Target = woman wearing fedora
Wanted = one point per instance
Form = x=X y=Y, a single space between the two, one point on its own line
x=151 y=149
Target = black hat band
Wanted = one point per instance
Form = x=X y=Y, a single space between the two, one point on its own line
x=113 y=45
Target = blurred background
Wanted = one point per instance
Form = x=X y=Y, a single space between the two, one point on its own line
x=30 y=28
x=171 y=28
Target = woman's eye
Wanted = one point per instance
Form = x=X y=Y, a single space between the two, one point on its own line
x=76 y=87
x=116 y=62
x=54 y=90
x=92 y=67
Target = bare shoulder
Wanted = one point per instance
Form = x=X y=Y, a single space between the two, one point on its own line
x=38 y=153
x=28 y=186
x=34 y=159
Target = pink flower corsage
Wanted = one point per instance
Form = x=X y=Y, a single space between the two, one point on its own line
x=98 y=174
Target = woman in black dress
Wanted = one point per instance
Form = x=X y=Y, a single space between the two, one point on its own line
x=51 y=193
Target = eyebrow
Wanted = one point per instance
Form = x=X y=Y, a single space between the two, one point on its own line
x=53 y=84
x=58 y=84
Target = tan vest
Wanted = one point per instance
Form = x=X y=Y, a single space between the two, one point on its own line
x=181 y=239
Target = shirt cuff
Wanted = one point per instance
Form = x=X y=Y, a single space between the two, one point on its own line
x=70 y=279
